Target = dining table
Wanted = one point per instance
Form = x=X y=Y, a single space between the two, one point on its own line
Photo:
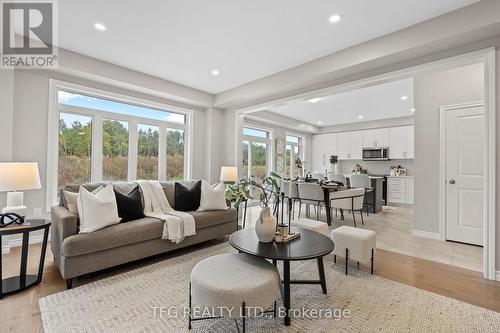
x=327 y=188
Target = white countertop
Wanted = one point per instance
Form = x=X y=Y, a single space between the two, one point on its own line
x=399 y=176
x=347 y=175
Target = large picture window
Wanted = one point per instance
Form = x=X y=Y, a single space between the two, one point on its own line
x=109 y=140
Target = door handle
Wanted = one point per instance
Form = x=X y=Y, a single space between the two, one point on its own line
x=452 y=181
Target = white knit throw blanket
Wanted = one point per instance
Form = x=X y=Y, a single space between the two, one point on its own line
x=177 y=225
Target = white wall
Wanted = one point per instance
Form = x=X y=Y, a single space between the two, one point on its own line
x=433 y=90
x=6 y=113
x=214 y=144
x=377 y=167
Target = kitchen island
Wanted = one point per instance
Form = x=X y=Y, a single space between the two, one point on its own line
x=374 y=200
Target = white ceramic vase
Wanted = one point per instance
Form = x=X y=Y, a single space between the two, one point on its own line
x=265 y=226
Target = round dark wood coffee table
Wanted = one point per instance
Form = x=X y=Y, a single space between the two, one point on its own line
x=310 y=245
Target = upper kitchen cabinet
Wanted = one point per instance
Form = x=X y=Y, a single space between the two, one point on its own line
x=401 y=142
x=376 y=138
x=350 y=145
x=323 y=145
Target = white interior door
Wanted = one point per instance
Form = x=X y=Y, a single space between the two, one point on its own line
x=465 y=174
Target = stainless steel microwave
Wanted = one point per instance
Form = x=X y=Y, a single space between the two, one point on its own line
x=376 y=154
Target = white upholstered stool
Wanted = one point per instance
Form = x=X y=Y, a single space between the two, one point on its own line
x=232 y=285
x=313 y=225
x=355 y=244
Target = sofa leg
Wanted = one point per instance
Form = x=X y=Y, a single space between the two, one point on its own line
x=69 y=283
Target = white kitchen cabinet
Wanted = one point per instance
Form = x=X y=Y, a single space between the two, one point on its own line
x=350 y=145
x=344 y=145
x=356 y=145
x=400 y=190
x=323 y=145
x=401 y=142
x=378 y=137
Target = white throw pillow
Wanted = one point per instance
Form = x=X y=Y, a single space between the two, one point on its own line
x=72 y=199
x=97 y=210
x=212 y=196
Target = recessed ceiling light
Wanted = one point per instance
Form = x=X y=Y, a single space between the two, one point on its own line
x=215 y=72
x=335 y=18
x=100 y=26
x=404 y=98
x=360 y=116
x=412 y=109
x=314 y=100
x=319 y=123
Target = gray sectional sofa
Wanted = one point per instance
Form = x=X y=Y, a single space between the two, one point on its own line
x=77 y=254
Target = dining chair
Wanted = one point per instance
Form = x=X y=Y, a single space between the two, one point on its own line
x=337 y=177
x=317 y=175
x=348 y=200
x=362 y=181
x=311 y=194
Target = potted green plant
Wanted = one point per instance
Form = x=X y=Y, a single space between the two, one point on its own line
x=265 y=192
x=333 y=163
x=300 y=166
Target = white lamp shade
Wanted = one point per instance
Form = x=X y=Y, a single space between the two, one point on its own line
x=15 y=176
x=228 y=174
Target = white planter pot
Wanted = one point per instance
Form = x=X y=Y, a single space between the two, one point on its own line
x=333 y=168
x=265 y=226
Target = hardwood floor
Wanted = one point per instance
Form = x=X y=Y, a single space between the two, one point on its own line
x=20 y=312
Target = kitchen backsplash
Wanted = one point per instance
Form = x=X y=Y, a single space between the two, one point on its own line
x=376 y=167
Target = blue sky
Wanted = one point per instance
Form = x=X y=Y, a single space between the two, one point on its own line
x=69 y=98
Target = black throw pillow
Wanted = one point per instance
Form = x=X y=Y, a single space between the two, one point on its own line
x=130 y=205
x=187 y=199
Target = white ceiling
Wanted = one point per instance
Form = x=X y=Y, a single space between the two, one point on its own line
x=373 y=103
x=183 y=40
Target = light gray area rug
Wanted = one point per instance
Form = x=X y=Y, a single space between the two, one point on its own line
x=126 y=303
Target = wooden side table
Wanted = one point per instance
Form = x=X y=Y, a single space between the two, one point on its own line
x=23 y=281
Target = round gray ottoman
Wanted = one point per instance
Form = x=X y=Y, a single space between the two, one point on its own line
x=233 y=285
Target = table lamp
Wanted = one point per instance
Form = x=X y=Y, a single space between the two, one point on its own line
x=229 y=174
x=17 y=176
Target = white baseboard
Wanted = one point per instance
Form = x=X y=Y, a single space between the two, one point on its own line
x=497 y=276
x=427 y=234
x=18 y=241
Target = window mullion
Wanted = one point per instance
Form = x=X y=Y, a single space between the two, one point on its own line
x=162 y=153
x=132 y=150
x=96 y=158
x=250 y=161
